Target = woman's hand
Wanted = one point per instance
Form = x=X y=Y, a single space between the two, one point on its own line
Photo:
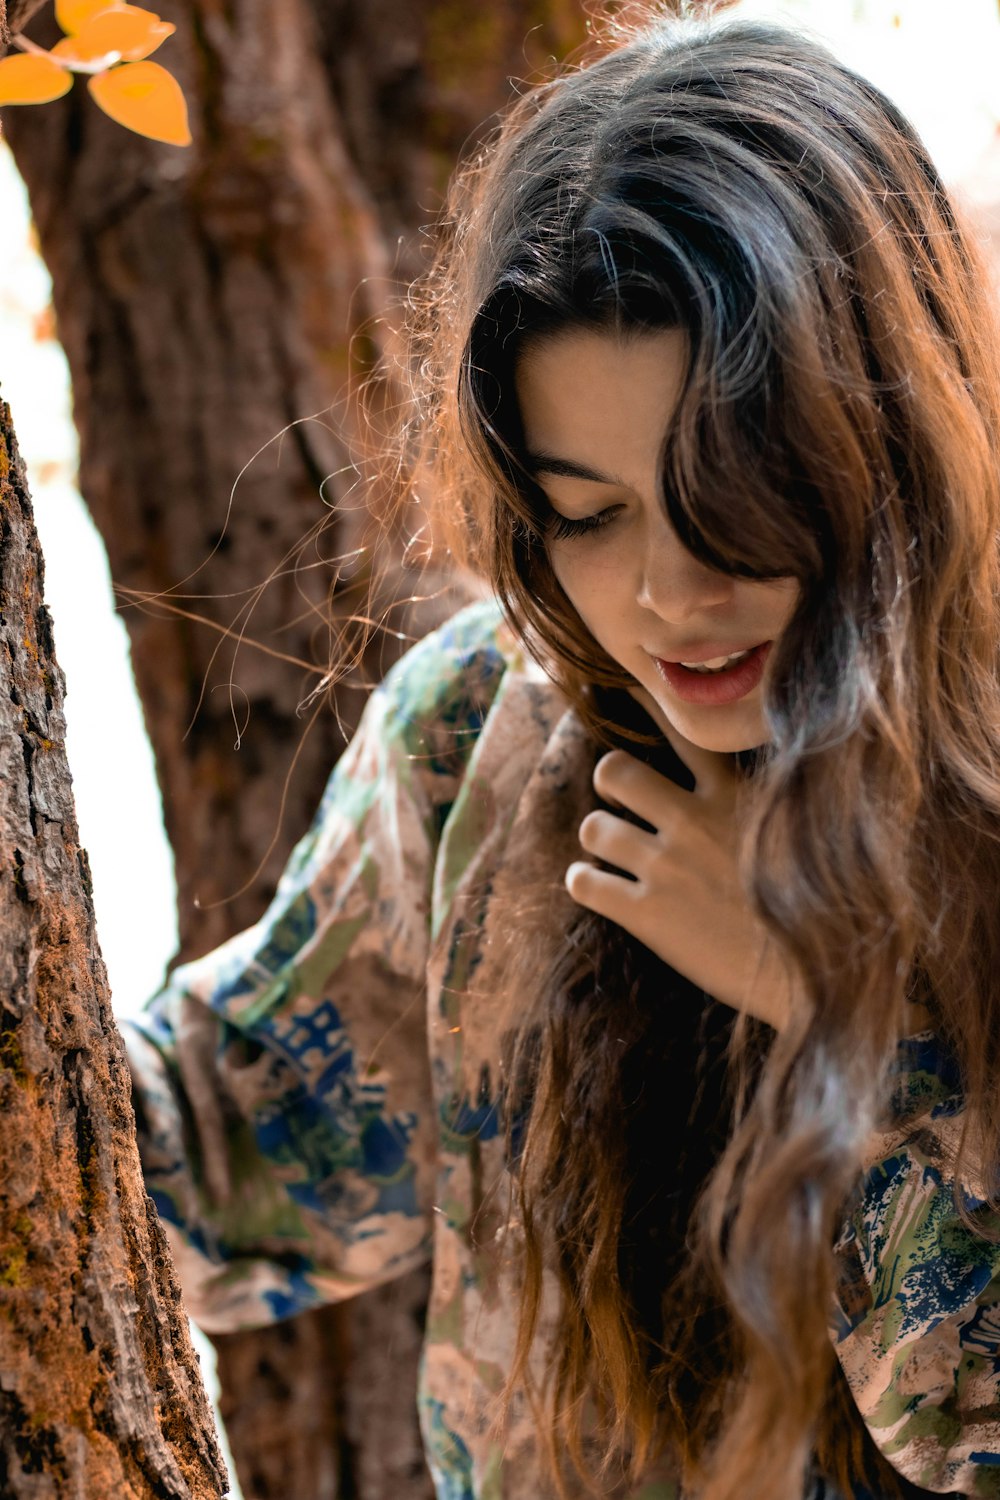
x=685 y=900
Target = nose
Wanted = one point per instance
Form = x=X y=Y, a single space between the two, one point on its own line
x=672 y=583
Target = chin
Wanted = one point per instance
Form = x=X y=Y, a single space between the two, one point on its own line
x=735 y=728
x=728 y=744
x=747 y=732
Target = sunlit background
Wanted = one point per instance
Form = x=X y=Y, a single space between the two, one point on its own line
x=940 y=63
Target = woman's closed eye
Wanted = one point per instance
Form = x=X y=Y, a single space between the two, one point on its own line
x=560 y=526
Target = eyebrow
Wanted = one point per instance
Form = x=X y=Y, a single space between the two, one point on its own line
x=566 y=468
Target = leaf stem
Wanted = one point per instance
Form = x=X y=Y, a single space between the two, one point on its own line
x=95 y=66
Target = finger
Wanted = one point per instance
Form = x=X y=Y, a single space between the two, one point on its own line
x=603 y=892
x=617 y=842
x=620 y=778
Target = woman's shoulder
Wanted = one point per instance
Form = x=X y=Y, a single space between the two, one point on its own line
x=441 y=691
x=466 y=656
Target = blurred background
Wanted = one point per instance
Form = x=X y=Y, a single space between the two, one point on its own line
x=213 y=304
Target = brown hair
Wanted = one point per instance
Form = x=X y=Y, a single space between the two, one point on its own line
x=736 y=181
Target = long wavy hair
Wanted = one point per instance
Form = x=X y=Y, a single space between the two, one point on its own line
x=839 y=424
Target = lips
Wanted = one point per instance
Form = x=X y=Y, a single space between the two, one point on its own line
x=714 y=689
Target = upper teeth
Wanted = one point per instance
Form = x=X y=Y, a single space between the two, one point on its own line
x=717 y=662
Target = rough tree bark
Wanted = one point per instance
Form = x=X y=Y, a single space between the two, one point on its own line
x=100 y=1391
x=206 y=299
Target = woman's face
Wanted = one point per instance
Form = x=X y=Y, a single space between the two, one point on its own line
x=596 y=407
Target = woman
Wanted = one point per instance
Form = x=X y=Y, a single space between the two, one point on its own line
x=705 y=1158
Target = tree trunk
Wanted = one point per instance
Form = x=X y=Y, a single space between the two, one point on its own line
x=208 y=300
x=100 y=1392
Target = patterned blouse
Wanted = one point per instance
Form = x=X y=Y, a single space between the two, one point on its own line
x=314 y=1121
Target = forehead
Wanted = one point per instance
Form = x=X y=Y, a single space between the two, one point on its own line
x=599 y=399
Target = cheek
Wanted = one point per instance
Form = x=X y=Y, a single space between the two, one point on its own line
x=578 y=582
x=590 y=577
x=769 y=604
x=562 y=569
x=782 y=599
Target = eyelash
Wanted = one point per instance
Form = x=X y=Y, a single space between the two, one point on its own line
x=562 y=527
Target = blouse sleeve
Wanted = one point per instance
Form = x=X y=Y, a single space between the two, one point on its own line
x=282 y=1083
x=918 y=1317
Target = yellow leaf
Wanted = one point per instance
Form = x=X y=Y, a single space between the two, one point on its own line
x=73 y=14
x=123 y=34
x=145 y=98
x=32 y=80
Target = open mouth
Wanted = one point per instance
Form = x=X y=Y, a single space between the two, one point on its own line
x=718 y=663
x=720 y=680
